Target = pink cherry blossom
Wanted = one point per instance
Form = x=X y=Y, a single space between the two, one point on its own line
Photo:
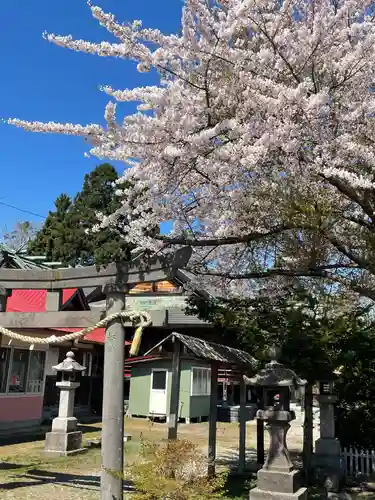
x=261 y=134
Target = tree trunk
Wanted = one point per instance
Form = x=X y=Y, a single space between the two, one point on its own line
x=308 y=431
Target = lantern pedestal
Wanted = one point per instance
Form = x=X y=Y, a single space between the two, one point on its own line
x=65 y=439
x=64 y=443
x=278 y=479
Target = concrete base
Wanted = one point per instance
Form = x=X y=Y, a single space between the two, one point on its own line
x=64 y=443
x=278 y=484
x=258 y=494
x=270 y=480
x=327 y=463
x=13 y=430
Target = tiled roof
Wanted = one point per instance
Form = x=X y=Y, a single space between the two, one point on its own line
x=209 y=351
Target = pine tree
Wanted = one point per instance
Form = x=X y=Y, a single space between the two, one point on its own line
x=52 y=240
x=65 y=236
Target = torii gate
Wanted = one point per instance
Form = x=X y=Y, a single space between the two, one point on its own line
x=115 y=279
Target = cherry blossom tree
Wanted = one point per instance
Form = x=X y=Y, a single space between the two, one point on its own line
x=258 y=141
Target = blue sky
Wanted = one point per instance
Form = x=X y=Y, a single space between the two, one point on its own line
x=39 y=81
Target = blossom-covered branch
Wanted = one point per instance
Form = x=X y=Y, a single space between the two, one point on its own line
x=263 y=118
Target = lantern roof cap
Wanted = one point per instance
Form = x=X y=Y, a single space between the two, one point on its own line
x=274 y=374
x=69 y=365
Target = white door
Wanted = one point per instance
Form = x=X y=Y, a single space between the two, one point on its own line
x=158 y=396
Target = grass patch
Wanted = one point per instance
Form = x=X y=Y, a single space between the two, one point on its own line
x=26 y=474
x=238 y=487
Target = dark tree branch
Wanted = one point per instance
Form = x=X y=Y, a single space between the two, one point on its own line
x=349 y=193
x=361 y=222
x=277 y=50
x=319 y=272
x=362 y=263
x=231 y=240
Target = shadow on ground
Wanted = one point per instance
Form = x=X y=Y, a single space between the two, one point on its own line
x=10 y=466
x=229 y=458
x=238 y=486
x=40 y=435
x=36 y=477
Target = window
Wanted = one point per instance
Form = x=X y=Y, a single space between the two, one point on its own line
x=97 y=365
x=21 y=370
x=18 y=370
x=87 y=363
x=36 y=371
x=165 y=286
x=141 y=288
x=4 y=367
x=201 y=381
x=159 y=380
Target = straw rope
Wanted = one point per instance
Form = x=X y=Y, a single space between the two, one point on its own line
x=142 y=319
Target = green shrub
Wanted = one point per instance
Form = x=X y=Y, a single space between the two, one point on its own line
x=174 y=470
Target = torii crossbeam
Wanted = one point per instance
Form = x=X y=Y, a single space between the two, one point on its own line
x=115 y=280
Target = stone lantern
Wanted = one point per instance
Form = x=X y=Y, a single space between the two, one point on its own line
x=277 y=478
x=327 y=447
x=65 y=439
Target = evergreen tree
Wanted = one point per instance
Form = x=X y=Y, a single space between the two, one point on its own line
x=66 y=234
x=53 y=239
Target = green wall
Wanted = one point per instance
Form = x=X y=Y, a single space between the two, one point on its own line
x=199 y=406
x=140 y=386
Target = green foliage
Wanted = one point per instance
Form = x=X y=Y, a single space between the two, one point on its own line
x=318 y=336
x=65 y=236
x=355 y=423
x=174 y=470
x=54 y=238
x=289 y=321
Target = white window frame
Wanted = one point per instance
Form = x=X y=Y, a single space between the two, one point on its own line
x=87 y=363
x=204 y=369
x=152 y=379
x=26 y=393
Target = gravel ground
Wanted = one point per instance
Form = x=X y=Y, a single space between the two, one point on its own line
x=26 y=474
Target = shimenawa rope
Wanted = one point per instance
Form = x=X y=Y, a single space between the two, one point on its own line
x=143 y=319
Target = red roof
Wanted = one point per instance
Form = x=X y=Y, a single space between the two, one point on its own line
x=35 y=301
x=97 y=335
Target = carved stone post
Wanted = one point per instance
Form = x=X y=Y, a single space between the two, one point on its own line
x=328 y=447
x=278 y=454
x=65 y=439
